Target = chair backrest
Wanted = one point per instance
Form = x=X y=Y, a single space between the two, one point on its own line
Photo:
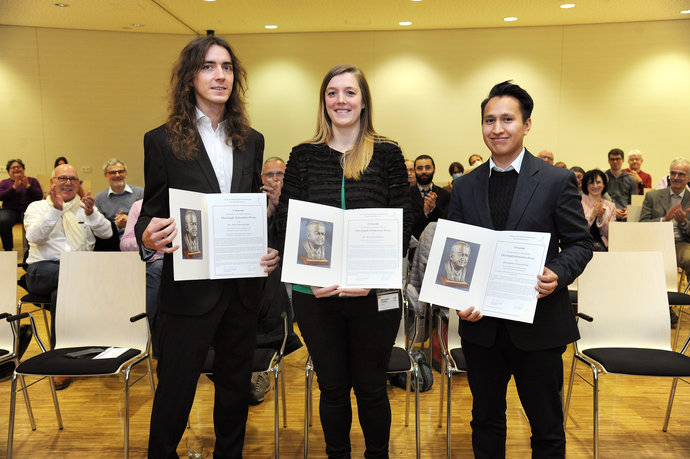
x=636 y=200
x=97 y=294
x=8 y=296
x=626 y=295
x=647 y=237
x=634 y=213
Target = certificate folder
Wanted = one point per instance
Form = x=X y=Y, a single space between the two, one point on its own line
x=494 y=271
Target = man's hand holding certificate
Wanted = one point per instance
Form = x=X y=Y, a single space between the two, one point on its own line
x=497 y=272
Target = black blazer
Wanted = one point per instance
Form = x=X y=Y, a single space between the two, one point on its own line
x=419 y=220
x=546 y=200
x=162 y=171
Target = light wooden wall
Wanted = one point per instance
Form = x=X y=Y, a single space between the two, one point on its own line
x=91 y=95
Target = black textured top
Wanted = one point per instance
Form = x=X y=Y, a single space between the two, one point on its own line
x=501 y=190
x=314 y=174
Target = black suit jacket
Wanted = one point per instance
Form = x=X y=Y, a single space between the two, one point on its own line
x=163 y=171
x=419 y=220
x=546 y=199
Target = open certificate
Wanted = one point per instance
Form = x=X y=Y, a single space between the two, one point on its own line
x=221 y=236
x=494 y=271
x=355 y=248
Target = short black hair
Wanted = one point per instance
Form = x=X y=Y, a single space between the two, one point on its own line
x=9 y=163
x=508 y=88
x=590 y=176
x=616 y=152
x=455 y=165
x=58 y=159
x=424 y=157
x=578 y=169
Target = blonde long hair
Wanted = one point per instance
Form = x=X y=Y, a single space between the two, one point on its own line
x=356 y=160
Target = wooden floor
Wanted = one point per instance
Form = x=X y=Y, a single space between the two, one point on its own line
x=631 y=417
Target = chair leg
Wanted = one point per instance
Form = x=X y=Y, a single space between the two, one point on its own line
x=407 y=398
x=416 y=410
x=448 y=438
x=570 y=391
x=282 y=385
x=47 y=324
x=27 y=401
x=307 y=406
x=444 y=370
x=58 y=414
x=670 y=403
x=276 y=413
x=10 y=429
x=150 y=367
x=595 y=388
x=680 y=317
x=127 y=412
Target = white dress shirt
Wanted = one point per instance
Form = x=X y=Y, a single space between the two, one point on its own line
x=219 y=152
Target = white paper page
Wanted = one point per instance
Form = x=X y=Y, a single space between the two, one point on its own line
x=111 y=353
x=313 y=244
x=238 y=234
x=496 y=271
x=373 y=253
x=190 y=261
x=510 y=290
x=457 y=289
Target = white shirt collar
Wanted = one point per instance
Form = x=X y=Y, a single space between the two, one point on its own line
x=128 y=189
x=516 y=164
x=681 y=194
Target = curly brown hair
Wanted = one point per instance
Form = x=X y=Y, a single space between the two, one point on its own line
x=181 y=122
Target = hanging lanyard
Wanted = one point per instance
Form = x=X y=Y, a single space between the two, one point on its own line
x=342 y=192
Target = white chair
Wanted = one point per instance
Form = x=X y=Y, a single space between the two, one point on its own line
x=454 y=362
x=630 y=332
x=89 y=317
x=634 y=212
x=9 y=331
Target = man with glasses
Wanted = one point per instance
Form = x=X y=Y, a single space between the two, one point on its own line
x=65 y=221
x=621 y=185
x=116 y=200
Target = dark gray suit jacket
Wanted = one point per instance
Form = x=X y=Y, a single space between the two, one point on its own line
x=658 y=202
x=546 y=199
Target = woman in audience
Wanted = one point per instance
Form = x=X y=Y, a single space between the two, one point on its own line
x=348 y=165
x=60 y=160
x=16 y=193
x=598 y=211
x=579 y=173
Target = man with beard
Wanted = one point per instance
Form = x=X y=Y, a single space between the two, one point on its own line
x=429 y=202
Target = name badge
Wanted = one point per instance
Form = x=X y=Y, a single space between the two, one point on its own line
x=388 y=299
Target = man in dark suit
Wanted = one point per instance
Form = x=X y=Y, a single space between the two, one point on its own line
x=206 y=146
x=517 y=191
x=429 y=202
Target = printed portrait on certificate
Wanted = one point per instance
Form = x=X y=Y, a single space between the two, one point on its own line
x=191 y=234
x=315 y=242
x=457 y=264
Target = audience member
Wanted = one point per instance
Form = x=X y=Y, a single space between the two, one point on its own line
x=561 y=164
x=116 y=200
x=207 y=115
x=59 y=161
x=620 y=184
x=341 y=324
x=643 y=179
x=673 y=205
x=272 y=175
x=579 y=173
x=546 y=155
x=521 y=193
x=65 y=221
x=16 y=193
x=599 y=212
x=429 y=202
x=475 y=160
x=154 y=265
x=455 y=171
x=411 y=177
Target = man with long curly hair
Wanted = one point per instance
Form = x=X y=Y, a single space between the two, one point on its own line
x=206 y=146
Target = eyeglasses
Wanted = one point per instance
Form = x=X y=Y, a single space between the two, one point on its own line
x=274 y=175
x=121 y=172
x=616 y=159
x=63 y=179
x=16 y=168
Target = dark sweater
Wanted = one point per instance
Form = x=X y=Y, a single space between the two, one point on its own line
x=314 y=174
x=20 y=198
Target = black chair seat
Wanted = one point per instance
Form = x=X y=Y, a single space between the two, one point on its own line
x=399 y=361
x=55 y=363
x=678 y=298
x=641 y=362
x=3 y=352
x=35 y=299
x=459 y=358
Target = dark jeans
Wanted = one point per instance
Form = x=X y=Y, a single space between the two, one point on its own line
x=9 y=218
x=350 y=342
x=42 y=279
x=539 y=380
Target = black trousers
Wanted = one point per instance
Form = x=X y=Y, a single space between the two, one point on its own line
x=183 y=343
x=350 y=342
x=539 y=380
